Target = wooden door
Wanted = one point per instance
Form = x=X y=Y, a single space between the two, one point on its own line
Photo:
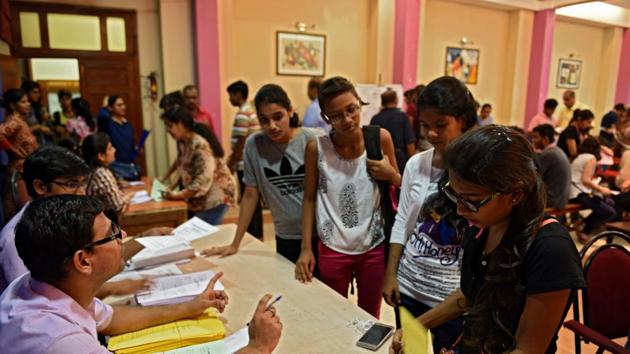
x=9 y=73
x=113 y=76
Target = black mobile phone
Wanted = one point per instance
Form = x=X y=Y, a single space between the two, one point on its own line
x=372 y=139
x=375 y=336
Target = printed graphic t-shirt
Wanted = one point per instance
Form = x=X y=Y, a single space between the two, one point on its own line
x=277 y=171
x=429 y=269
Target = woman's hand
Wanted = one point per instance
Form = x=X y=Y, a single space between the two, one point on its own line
x=391 y=291
x=222 y=251
x=396 y=346
x=382 y=170
x=305 y=266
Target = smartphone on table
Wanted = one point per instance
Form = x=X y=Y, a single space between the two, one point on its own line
x=375 y=336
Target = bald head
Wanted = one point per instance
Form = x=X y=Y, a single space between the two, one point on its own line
x=568 y=98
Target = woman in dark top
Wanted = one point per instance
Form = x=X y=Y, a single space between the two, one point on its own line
x=571 y=138
x=519 y=269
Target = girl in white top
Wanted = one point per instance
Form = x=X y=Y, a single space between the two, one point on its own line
x=342 y=200
x=583 y=185
x=425 y=250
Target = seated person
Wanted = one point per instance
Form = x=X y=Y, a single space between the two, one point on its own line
x=70 y=249
x=98 y=153
x=553 y=165
x=571 y=138
x=50 y=171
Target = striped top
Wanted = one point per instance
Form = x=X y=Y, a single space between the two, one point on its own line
x=245 y=123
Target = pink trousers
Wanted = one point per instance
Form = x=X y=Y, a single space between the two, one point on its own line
x=336 y=270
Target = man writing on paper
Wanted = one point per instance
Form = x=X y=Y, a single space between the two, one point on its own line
x=70 y=249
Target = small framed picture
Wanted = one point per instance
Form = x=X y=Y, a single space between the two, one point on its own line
x=301 y=54
x=463 y=64
x=569 y=73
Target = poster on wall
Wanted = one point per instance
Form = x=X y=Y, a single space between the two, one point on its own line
x=569 y=72
x=463 y=64
x=371 y=94
x=300 y=54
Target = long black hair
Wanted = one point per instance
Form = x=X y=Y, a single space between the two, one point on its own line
x=12 y=96
x=272 y=93
x=81 y=108
x=93 y=145
x=179 y=114
x=447 y=96
x=501 y=160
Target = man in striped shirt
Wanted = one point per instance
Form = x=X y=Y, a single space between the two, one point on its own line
x=245 y=123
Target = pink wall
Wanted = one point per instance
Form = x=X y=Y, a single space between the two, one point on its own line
x=406 y=32
x=539 y=63
x=622 y=93
x=207 y=59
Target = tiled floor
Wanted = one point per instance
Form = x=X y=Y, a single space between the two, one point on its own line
x=565 y=341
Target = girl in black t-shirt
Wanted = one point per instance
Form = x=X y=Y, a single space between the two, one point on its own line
x=519 y=269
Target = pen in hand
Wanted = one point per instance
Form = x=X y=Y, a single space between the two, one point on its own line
x=271 y=304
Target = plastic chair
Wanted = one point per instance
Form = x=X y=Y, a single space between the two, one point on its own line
x=606 y=299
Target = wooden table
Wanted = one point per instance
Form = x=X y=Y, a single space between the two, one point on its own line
x=315 y=318
x=140 y=217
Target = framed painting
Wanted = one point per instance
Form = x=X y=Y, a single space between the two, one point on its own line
x=301 y=54
x=569 y=73
x=463 y=64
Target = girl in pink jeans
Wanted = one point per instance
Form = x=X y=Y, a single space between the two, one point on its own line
x=342 y=200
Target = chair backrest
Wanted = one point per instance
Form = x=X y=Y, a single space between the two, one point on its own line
x=606 y=299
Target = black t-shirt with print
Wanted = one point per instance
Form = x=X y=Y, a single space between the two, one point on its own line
x=552 y=263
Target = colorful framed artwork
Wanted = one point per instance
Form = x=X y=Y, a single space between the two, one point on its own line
x=463 y=64
x=569 y=73
x=301 y=54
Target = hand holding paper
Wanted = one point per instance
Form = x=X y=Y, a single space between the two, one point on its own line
x=416 y=337
x=209 y=298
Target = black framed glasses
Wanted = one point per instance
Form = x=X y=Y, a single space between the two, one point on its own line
x=340 y=116
x=71 y=185
x=116 y=235
x=473 y=206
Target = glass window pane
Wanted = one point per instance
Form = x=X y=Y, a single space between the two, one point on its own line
x=116 y=41
x=78 y=32
x=29 y=28
x=55 y=69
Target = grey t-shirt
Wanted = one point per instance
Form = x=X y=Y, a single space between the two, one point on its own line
x=555 y=169
x=277 y=170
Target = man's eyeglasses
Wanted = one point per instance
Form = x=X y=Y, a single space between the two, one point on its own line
x=349 y=112
x=71 y=185
x=473 y=206
x=116 y=235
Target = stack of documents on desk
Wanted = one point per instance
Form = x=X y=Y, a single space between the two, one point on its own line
x=160 y=250
x=207 y=327
x=175 y=289
x=140 y=197
x=193 y=229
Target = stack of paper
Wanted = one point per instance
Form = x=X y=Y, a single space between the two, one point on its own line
x=177 y=288
x=193 y=229
x=205 y=328
x=161 y=249
x=140 y=197
x=157 y=189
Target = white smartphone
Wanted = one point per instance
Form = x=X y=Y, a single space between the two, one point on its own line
x=375 y=336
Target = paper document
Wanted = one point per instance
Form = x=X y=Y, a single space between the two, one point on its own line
x=150 y=257
x=136 y=183
x=169 y=336
x=140 y=197
x=156 y=190
x=216 y=347
x=157 y=243
x=193 y=229
x=177 y=288
x=416 y=337
x=237 y=340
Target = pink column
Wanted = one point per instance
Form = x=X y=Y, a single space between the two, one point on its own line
x=407 y=27
x=207 y=59
x=622 y=93
x=539 y=63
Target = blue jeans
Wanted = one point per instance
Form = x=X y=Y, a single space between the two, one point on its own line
x=213 y=216
x=445 y=335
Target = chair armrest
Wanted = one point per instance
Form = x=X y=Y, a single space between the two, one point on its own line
x=594 y=337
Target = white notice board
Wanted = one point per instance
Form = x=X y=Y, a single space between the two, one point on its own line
x=371 y=94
